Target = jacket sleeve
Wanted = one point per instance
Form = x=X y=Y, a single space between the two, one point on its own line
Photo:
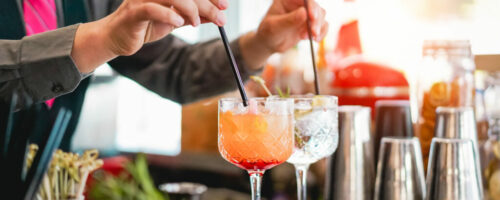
x=182 y=72
x=38 y=67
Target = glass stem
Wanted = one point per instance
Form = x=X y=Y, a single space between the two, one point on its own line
x=255 y=182
x=301 y=174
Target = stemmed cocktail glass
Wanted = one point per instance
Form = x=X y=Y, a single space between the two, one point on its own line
x=257 y=137
x=316 y=134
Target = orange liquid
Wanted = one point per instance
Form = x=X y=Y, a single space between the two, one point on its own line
x=255 y=142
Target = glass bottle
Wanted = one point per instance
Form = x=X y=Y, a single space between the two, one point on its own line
x=446 y=78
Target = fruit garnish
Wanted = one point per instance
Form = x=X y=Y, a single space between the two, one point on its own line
x=259 y=124
x=318 y=100
x=301 y=113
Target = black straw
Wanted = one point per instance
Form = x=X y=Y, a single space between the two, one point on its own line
x=309 y=33
x=234 y=66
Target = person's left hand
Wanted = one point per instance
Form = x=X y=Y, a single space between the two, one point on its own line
x=285 y=24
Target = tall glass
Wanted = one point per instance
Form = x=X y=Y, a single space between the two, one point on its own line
x=316 y=134
x=257 y=137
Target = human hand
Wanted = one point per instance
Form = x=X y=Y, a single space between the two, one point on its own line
x=285 y=24
x=137 y=22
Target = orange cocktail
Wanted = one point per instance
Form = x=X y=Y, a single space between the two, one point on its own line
x=257 y=137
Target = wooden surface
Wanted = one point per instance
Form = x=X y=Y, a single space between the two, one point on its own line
x=488 y=62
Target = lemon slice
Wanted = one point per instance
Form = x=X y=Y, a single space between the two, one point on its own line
x=319 y=100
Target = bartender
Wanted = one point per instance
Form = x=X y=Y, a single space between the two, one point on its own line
x=133 y=37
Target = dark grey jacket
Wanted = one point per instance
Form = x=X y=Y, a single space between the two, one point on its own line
x=40 y=66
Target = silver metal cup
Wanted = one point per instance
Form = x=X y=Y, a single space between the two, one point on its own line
x=350 y=170
x=400 y=171
x=452 y=173
x=392 y=119
x=456 y=122
x=459 y=123
x=183 y=191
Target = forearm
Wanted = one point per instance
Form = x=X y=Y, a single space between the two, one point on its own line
x=39 y=67
x=254 y=51
x=91 y=47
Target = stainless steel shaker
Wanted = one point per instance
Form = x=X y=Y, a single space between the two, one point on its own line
x=452 y=173
x=400 y=171
x=392 y=118
x=350 y=170
x=456 y=122
x=459 y=123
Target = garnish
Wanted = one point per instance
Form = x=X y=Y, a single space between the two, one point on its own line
x=67 y=173
x=262 y=83
x=135 y=183
x=283 y=95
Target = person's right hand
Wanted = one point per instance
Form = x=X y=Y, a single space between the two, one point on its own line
x=137 y=22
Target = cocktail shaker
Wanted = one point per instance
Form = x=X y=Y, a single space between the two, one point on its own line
x=452 y=174
x=400 y=171
x=459 y=123
x=350 y=170
x=392 y=118
x=456 y=122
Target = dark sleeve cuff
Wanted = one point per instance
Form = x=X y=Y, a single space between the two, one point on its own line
x=47 y=69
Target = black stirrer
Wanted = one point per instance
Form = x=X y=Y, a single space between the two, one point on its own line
x=234 y=66
x=309 y=33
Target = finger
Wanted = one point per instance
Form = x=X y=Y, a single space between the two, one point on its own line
x=324 y=31
x=158 y=30
x=313 y=9
x=290 y=20
x=186 y=8
x=304 y=34
x=318 y=22
x=221 y=4
x=210 y=12
x=159 y=13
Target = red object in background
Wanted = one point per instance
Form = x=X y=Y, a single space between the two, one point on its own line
x=364 y=83
x=112 y=165
x=348 y=42
x=357 y=81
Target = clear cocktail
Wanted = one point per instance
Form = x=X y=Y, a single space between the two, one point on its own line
x=316 y=134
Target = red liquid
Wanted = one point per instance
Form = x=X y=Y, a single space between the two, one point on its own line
x=256 y=166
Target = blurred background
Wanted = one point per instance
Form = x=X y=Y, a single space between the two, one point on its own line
x=382 y=37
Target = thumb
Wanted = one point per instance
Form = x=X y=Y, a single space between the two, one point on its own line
x=292 y=19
